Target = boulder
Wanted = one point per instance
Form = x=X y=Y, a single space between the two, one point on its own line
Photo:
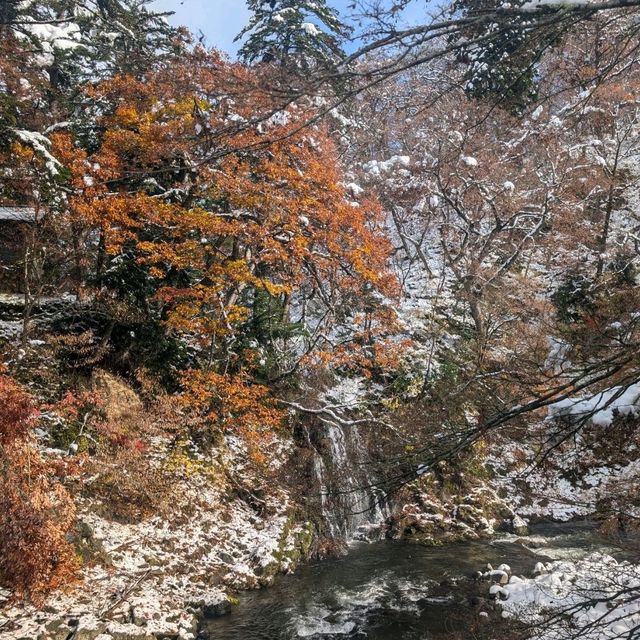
x=90 y=634
x=128 y=632
x=519 y=526
x=88 y=547
x=496 y=592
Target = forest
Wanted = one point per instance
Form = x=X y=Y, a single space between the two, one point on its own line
x=335 y=335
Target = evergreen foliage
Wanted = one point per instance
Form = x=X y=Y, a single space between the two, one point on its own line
x=300 y=34
x=501 y=63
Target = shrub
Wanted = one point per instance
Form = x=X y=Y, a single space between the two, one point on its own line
x=129 y=486
x=223 y=403
x=36 y=512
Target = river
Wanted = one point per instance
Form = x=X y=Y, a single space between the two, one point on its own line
x=391 y=590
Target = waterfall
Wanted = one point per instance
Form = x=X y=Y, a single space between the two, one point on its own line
x=352 y=506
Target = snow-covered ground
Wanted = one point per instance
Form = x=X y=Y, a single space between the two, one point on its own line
x=161 y=573
x=545 y=492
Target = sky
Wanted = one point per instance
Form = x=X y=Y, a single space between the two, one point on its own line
x=221 y=20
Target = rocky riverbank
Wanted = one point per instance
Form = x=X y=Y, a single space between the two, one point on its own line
x=154 y=579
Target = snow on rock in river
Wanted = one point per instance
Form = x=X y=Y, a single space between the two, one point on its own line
x=596 y=595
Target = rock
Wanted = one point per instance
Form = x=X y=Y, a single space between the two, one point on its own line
x=213 y=608
x=217 y=610
x=449 y=582
x=64 y=629
x=89 y=548
x=519 y=526
x=56 y=630
x=496 y=575
x=128 y=632
x=121 y=402
x=90 y=634
x=368 y=532
x=496 y=592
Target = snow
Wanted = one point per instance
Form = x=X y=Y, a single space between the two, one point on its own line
x=545 y=492
x=355 y=189
x=50 y=36
x=596 y=591
x=537 y=112
x=40 y=144
x=279 y=119
x=602 y=408
x=376 y=168
x=172 y=558
x=18 y=214
x=310 y=29
x=347 y=392
x=534 y=5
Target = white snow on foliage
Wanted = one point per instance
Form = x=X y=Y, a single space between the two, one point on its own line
x=40 y=144
x=310 y=29
x=533 y=5
x=600 y=409
x=378 y=167
x=50 y=36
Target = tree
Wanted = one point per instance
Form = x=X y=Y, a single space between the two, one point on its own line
x=501 y=58
x=297 y=34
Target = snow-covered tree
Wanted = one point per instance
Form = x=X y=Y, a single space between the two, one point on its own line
x=302 y=34
x=501 y=56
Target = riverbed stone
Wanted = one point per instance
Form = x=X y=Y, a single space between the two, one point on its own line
x=519 y=526
x=84 y=633
x=212 y=608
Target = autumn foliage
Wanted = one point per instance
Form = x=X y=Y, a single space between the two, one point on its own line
x=36 y=513
x=234 y=405
x=230 y=235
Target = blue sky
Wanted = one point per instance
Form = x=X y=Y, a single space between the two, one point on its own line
x=221 y=20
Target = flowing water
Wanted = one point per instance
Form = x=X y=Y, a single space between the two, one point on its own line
x=389 y=590
x=351 y=503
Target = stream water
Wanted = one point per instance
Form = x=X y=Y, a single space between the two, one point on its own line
x=390 y=590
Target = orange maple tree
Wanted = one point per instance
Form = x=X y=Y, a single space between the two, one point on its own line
x=183 y=188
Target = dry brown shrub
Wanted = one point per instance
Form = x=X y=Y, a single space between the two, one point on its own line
x=36 y=512
x=130 y=485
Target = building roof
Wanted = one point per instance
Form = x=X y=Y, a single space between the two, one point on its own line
x=18 y=214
